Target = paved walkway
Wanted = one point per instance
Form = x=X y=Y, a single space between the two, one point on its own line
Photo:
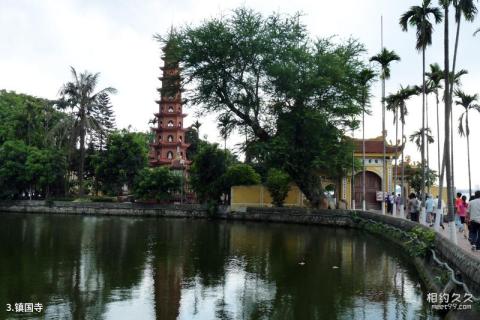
x=463 y=243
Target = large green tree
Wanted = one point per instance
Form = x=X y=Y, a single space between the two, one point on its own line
x=262 y=70
x=124 y=156
x=81 y=97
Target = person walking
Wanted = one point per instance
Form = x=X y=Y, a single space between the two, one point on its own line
x=429 y=209
x=390 y=199
x=413 y=207
x=474 y=216
x=462 y=215
x=442 y=213
x=458 y=201
x=398 y=202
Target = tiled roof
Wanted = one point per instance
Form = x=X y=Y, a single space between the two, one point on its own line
x=375 y=146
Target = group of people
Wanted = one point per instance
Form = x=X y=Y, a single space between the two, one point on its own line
x=467 y=217
x=467 y=214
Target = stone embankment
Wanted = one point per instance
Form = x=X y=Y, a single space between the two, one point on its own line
x=465 y=265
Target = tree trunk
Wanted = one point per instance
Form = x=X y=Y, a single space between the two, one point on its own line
x=364 y=206
x=81 y=190
x=395 y=173
x=404 y=198
x=468 y=154
x=427 y=142
x=422 y=186
x=438 y=140
x=311 y=186
x=384 y=167
x=448 y=109
x=457 y=38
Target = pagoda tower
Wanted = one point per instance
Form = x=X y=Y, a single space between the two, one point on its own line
x=169 y=147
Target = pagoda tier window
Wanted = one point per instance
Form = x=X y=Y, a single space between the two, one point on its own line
x=179 y=124
x=181 y=155
x=180 y=138
x=170 y=138
x=169 y=155
x=170 y=109
x=160 y=138
x=170 y=123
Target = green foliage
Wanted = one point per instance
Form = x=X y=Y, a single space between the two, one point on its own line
x=124 y=156
x=243 y=65
x=422 y=240
x=240 y=175
x=27 y=118
x=44 y=168
x=278 y=184
x=209 y=165
x=13 y=176
x=24 y=168
x=156 y=184
x=415 y=177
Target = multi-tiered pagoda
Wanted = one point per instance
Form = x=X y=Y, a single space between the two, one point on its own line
x=169 y=147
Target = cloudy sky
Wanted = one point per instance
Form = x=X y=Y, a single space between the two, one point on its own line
x=39 y=40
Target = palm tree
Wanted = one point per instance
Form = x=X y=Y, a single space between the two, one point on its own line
x=418 y=136
x=446 y=165
x=366 y=77
x=80 y=96
x=418 y=16
x=384 y=58
x=197 y=126
x=467 y=102
x=468 y=10
x=226 y=124
x=397 y=103
x=435 y=76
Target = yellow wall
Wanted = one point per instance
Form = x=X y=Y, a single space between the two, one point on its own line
x=258 y=196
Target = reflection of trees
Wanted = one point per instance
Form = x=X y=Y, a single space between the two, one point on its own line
x=72 y=265
x=78 y=266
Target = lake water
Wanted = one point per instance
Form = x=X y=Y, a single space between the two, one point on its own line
x=135 y=268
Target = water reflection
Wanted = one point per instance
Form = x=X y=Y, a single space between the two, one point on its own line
x=124 y=268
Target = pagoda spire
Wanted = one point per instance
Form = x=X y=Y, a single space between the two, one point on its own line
x=169 y=147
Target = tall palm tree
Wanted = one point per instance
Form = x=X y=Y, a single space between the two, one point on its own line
x=81 y=97
x=419 y=17
x=435 y=76
x=466 y=9
x=468 y=103
x=446 y=165
x=384 y=58
x=397 y=103
x=226 y=124
x=366 y=77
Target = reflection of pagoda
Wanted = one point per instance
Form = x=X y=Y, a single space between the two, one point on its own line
x=169 y=147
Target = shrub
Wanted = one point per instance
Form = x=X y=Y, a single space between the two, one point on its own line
x=240 y=175
x=278 y=184
x=155 y=184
